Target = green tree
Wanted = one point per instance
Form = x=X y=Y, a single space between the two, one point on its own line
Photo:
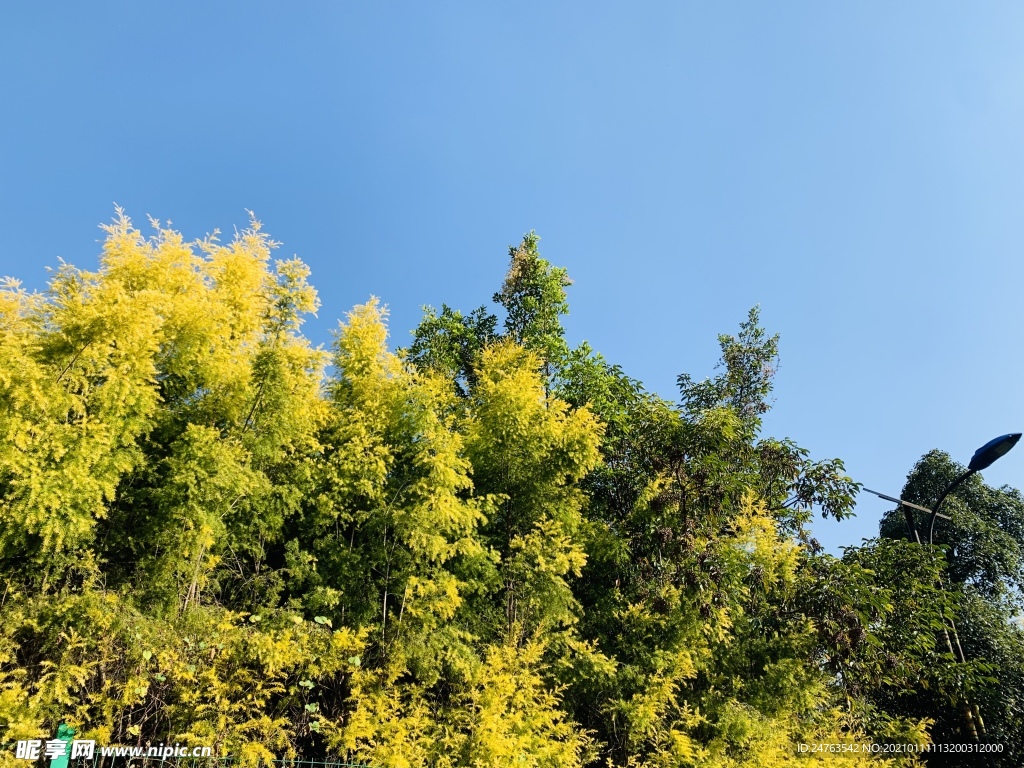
x=490 y=549
x=450 y=344
x=699 y=568
x=533 y=296
x=980 y=550
x=161 y=416
x=533 y=299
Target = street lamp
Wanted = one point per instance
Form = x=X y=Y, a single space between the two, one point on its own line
x=983 y=458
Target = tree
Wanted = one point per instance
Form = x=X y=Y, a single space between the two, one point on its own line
x=160 y=414
x=749 y=360
x=699 y=567
x=450 y=344
x=980 y=551
x=488 y=549
x=533 y=296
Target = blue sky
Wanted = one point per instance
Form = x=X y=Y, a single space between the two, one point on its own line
x=857 y=169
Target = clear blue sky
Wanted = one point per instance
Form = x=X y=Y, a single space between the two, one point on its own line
x=857 y=169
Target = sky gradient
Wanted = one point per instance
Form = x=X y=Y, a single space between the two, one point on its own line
x=856 y=169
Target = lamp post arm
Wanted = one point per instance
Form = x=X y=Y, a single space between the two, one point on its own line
x=942 y=498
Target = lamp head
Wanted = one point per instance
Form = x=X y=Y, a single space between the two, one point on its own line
x=985 y=456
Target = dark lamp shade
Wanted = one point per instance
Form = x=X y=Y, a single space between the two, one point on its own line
x=992 y=450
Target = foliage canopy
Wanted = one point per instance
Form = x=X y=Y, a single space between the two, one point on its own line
x=488 y=549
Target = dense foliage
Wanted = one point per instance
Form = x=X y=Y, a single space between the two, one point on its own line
x=488 y=549
x=982 y=553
